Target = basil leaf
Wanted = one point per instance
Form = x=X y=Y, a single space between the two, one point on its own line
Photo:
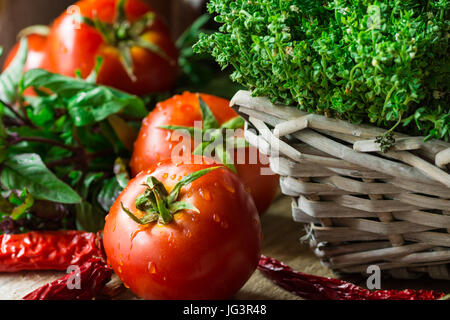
x=89 y=218
x=20 y=211
x=109 y=193
x=28 y=171
x=120 y=170
x=93 y=105
x=113 y=187
x=63 y=86
x=88 y=102
x=10 y=79
x=89 y=180
x=5 y=205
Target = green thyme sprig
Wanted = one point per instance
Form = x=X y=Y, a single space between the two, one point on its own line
x=363 y=61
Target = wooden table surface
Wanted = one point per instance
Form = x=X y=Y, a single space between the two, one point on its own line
x=281 y=241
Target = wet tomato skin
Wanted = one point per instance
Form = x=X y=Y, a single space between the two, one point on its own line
x=37 y=57
x=206 y=255
x=155 y=144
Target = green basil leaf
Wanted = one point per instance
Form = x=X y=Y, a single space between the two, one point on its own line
x=5 y=205
x=20 y=211
x=28 y=171
x=63 y=86
x=89 y=218
x=10 y=79
x=89 y=180
x=93 y=106
x=121 y=172
x=82 y=93
x=108 y=194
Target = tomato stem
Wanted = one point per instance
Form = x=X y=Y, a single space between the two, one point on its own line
x=124 y=35
x=159 y=205
x=211 y=132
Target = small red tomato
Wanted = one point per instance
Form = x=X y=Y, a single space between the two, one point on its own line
x=183 y=231
x=138 y=54
x=155 y=142
x=36 y=57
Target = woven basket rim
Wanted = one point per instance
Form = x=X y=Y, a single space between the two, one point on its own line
x=246 y=96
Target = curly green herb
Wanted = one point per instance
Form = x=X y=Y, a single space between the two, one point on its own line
x=363 y=61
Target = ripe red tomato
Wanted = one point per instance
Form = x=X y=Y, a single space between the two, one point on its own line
x=75 y=47
x=208 y=254
x=155 y=144
x=37 y=57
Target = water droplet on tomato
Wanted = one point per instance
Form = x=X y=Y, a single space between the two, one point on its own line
x=224 y=224
x=136 y=232
x=171 y=239
x=229 y=188
x=205 y=194
x=188 y=233
x=119 y=269
x=126 y=286
x=151 y=267
x=216 y=218
x=173 y=177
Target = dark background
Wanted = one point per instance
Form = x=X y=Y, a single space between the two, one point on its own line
x=17 y=14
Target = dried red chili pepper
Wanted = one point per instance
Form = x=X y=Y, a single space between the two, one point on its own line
x=93 y=276
x=321 y=288
x=49 y=250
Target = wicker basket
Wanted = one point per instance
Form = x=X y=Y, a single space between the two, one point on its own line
x=360 y=206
